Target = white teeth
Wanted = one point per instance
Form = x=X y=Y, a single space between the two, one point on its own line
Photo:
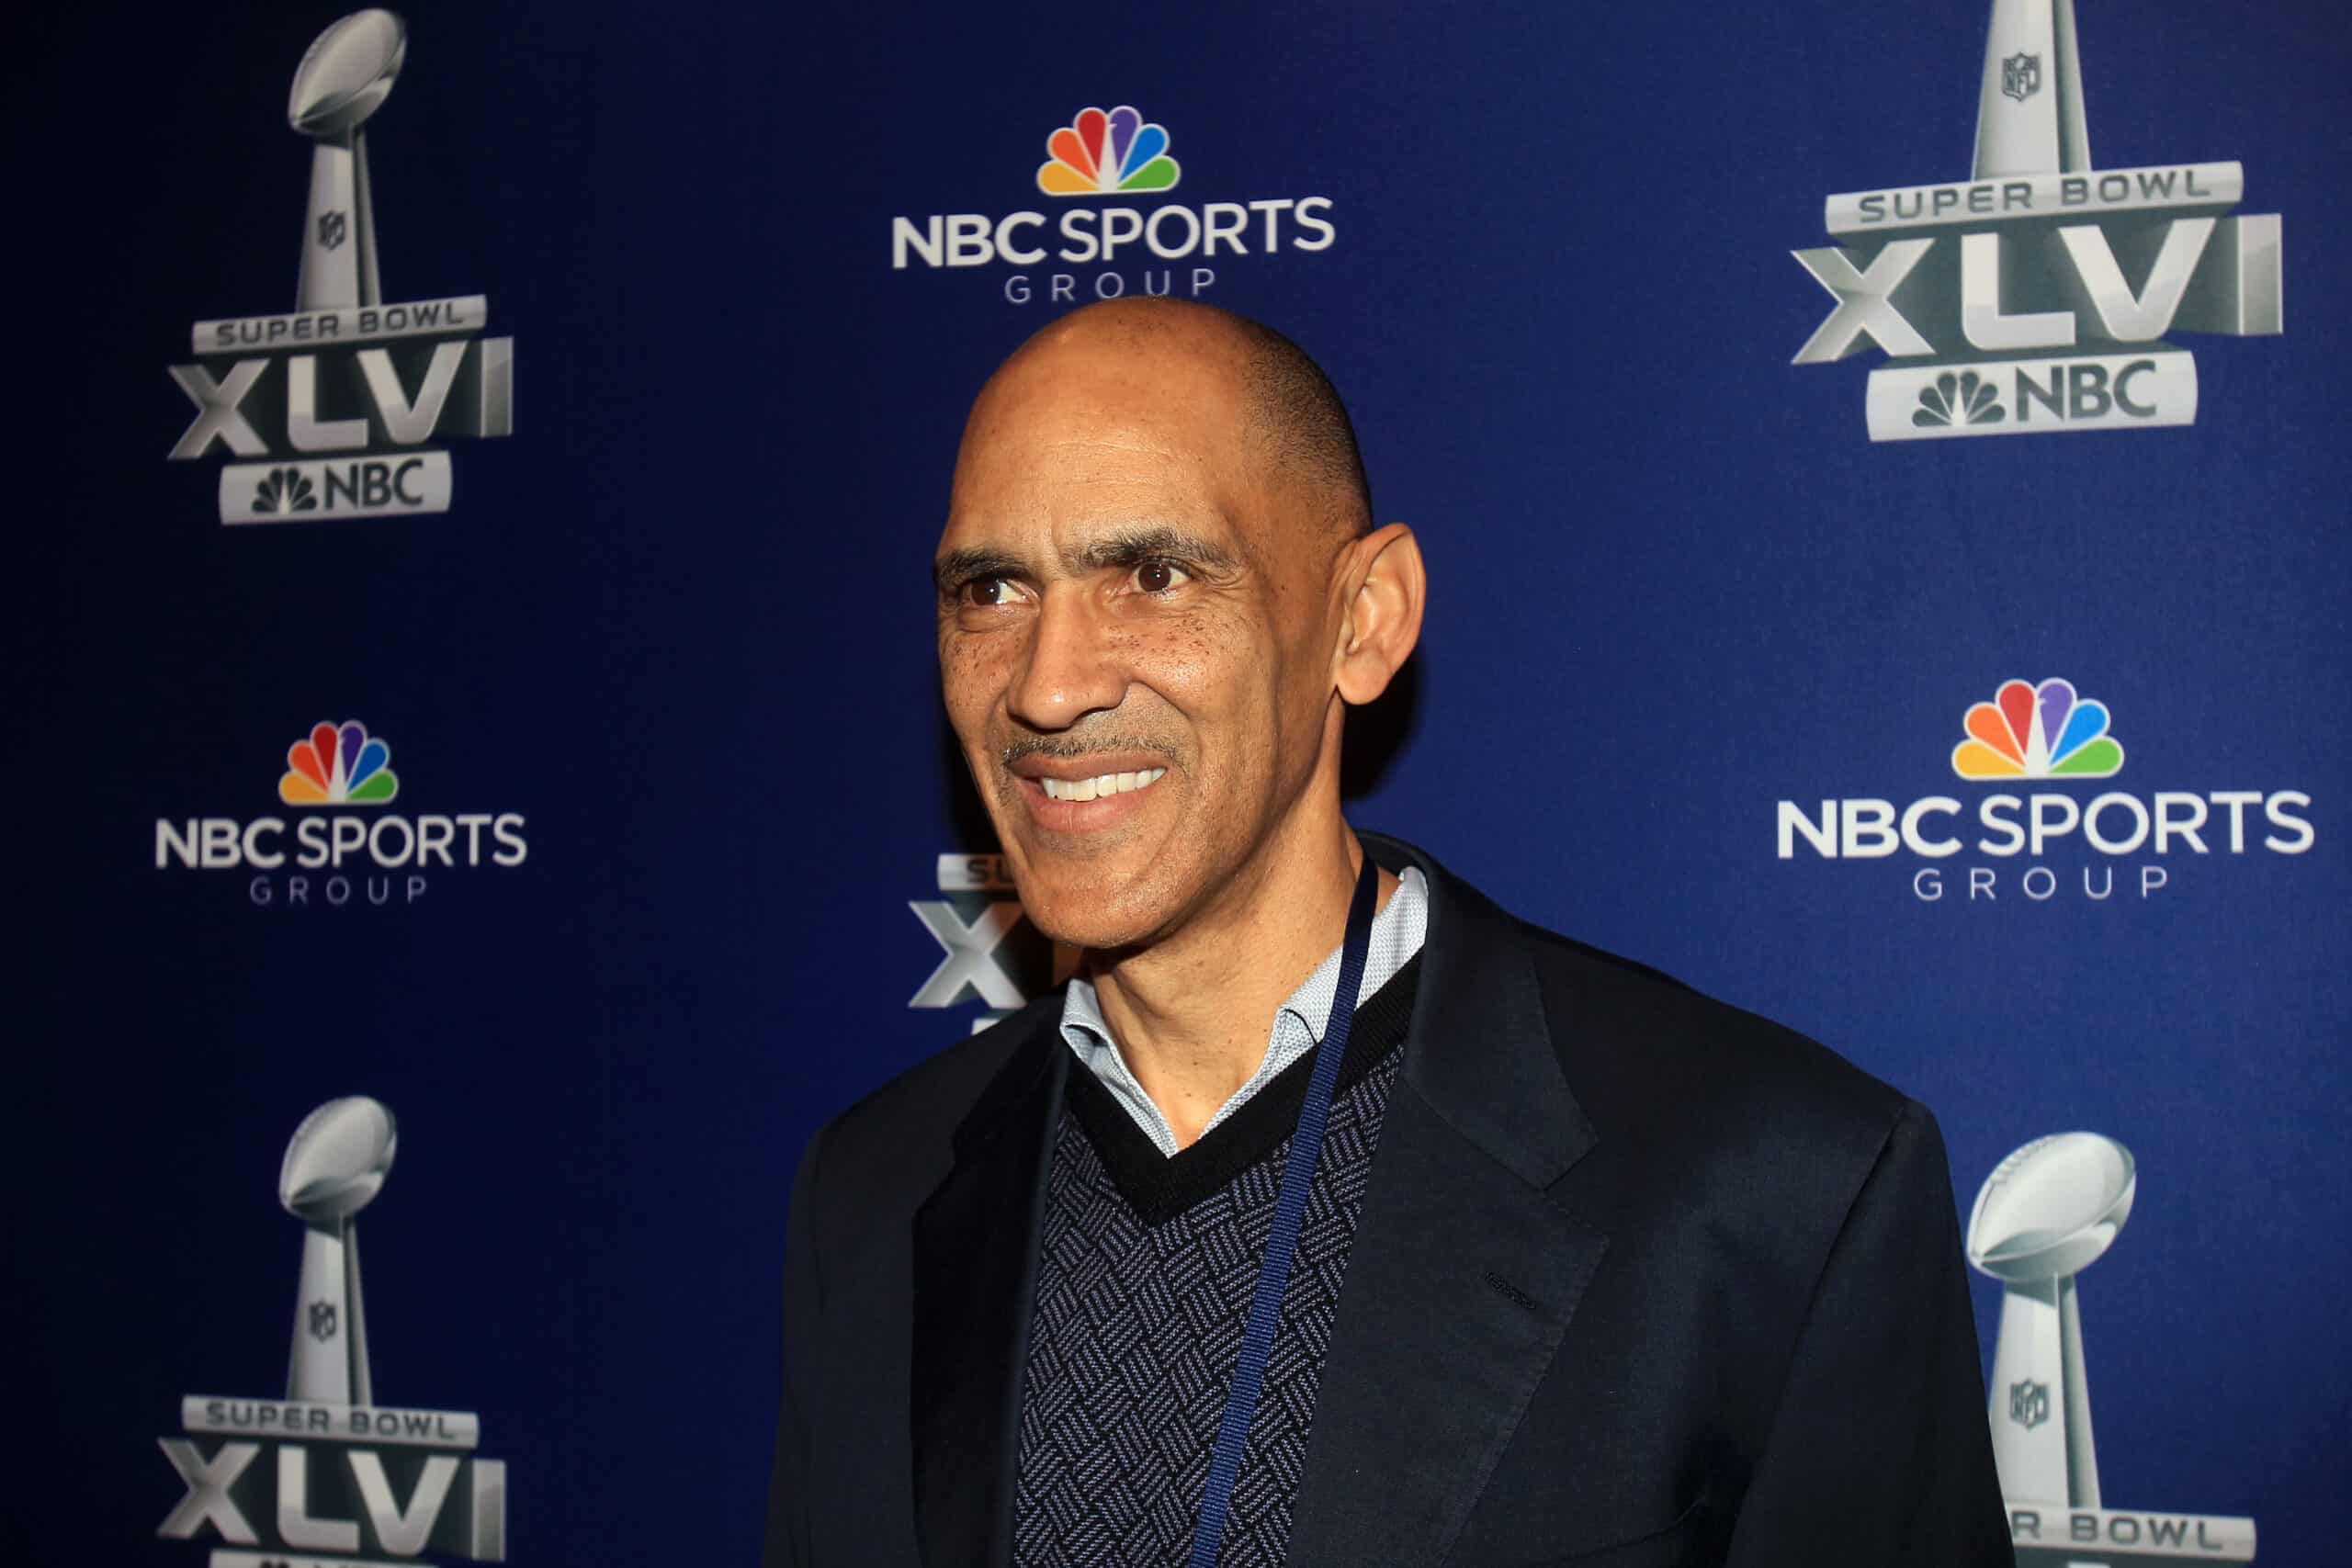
x=1103 y=785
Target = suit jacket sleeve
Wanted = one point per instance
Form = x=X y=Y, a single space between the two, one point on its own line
x=1878 y=1452
x=787 y=1531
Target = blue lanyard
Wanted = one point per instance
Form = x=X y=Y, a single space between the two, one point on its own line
x=1282 y=1244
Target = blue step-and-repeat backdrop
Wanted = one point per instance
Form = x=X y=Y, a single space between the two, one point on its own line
x=1891 y=569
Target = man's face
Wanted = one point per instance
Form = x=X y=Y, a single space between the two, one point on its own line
x=1122 y=598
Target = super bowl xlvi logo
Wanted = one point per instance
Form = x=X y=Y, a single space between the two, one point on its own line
x=331 y=411
x=2045 y=732
x=326 y=1477
x=989 y=954
x=1969 y=287
x=2047 y=1212
x=1102 y=155
x=339 y=858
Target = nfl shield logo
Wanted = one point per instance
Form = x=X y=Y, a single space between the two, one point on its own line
x=322 y=1320
x=2028 y=1403
x=2021 y=76
x=330 y=228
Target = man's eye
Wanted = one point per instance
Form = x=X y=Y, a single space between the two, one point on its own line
x=988 y=591
x=1158 y=576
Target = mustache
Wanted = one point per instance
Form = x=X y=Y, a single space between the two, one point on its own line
x=1072 y=747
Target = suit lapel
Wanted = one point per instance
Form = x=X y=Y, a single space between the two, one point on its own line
x=1465 y=1274
x=975 y=1254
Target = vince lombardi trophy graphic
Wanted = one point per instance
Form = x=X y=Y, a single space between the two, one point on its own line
x=2029 y=112
x=2044 y=1214
x=334 y=1165
x=344 y=78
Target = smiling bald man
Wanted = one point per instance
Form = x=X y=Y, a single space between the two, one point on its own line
x=1329 y=1215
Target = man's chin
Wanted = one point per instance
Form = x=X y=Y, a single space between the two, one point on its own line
x=1091 y=905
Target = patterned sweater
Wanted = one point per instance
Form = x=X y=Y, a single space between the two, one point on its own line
x=1146 y=1266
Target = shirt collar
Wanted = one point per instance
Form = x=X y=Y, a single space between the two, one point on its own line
x=1298 y=1025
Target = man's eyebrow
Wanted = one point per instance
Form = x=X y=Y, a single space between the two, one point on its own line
x=1116 y=550
x=970 y=564
x=1133 y=546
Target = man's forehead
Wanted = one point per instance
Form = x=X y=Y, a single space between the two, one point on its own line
x=1129 y=452
x=1048 y=428
x=1106 y=373
x=1121 y=421
x=1061 y=484
x=1088 y=527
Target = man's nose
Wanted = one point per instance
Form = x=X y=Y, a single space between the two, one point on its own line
x=1070 y=669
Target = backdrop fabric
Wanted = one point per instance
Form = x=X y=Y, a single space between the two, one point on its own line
x=1889 y=569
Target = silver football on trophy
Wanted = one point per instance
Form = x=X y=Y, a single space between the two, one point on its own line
x=2053 y=1207
x=337 y=1159
x=346 y=74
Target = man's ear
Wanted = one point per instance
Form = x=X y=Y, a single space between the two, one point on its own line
x=1383 y=619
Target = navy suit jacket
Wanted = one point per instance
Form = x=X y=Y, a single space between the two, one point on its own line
x=1639 y=1279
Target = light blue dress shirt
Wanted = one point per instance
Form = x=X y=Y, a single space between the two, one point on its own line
x=1396 y=934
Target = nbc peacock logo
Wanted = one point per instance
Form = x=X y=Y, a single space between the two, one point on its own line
x=2042 y=731
x=339 y=847
x=339 y=765
x=1105 y=153
x=1114 y=227
x=2038 y=842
